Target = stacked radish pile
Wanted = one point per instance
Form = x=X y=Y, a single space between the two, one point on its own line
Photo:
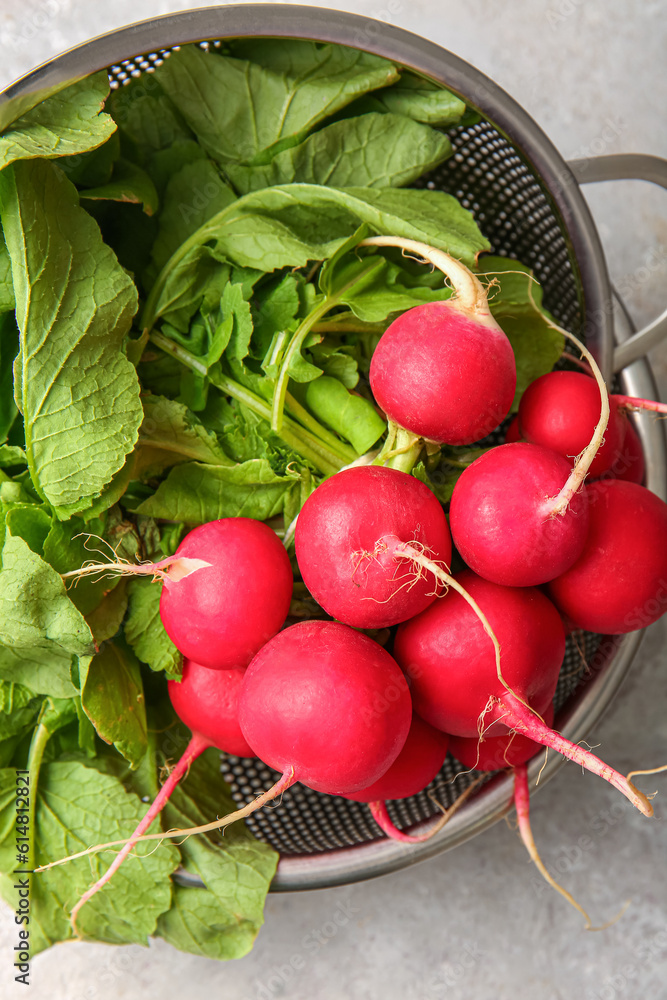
x=476 y=657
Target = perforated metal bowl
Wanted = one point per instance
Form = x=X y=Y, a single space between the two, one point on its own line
x=527 y=201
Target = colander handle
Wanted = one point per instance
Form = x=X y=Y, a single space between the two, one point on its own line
x=618 y=167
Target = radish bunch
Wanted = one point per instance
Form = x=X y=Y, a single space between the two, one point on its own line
x=476 y=655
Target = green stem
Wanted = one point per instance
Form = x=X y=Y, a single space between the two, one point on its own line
x=402 y=450
x=37 y=746
x=294 y=347
x=314 y=450
x=345 y=451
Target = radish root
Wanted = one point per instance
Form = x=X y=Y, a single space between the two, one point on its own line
x=381 y=816
x=283 y=783
x=522 y=805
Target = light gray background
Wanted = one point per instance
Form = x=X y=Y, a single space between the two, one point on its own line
x=478 y=922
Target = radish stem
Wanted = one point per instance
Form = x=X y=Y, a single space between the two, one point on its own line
x=516 y=715
x=280 y=786
x=195 y=747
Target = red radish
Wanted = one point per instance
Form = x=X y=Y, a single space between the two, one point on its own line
x=450 y=663
x=513 y=432
x=503 y=516
x=444 y=370
x=207 y=702
x=629 y=465
x=346 y=545
x=323 y=703
x=515 y=518
x=454 y=680
x=226 y=590
x=619 y=582
x=560 y=411
x=326 y=703
x=415 y=767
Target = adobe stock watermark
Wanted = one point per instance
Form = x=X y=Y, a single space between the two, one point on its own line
x=29 y=27
x=280 y=976
x=453 y=973
x=564 y=10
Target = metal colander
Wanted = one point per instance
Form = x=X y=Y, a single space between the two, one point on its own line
x=527 y=202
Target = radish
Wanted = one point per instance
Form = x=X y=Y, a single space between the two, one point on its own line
x=326 y=704
x=619 y=582
x=323 y=703
x=454 y=680
x=504 y=515
x=444 y=371
x=226 y=590
x=513 y=432
x=416 y=766
x=629 y=465
x=560 y=411
x=517 y=515
x=207 y=702
x=350 y=538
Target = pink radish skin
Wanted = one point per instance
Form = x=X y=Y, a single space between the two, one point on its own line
x=629 y=465
x=446 y=654
x=493 y=753
x=416 y=766
x=207 y=702
x=444 y=370
x=501 y=516
x=449 y=660
x=513 y=432
x=619 y=583
x=560 y=411
x=327 y=705
x=342 y=545
x=222 y=614
x=444 y=375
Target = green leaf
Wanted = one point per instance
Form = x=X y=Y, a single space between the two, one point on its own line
x=515 y=300
x=170 y=434
x=273 y=309
x=11 y=456
x=350 y=415
x=36 y=615
x=373 y=150
x=68 y=547
x=194 y=194
x=166 y=163
x=222 y=920
x=70 y=121
x=78 y=393
x=31 y=523
x=9 y=347
x=19 y=708
x=106 y=619
x=196 y=493
x=290 y=225
x=112 y=697
x=146 y=117
x=144 y=629
x=239 y=109
x=6 y=286
x=94 y=167
x=46 y=670
x=77 y=806
x=128 y=183
x=423 y=100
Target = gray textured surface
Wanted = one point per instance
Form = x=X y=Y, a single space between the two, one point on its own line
x=477 y=923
